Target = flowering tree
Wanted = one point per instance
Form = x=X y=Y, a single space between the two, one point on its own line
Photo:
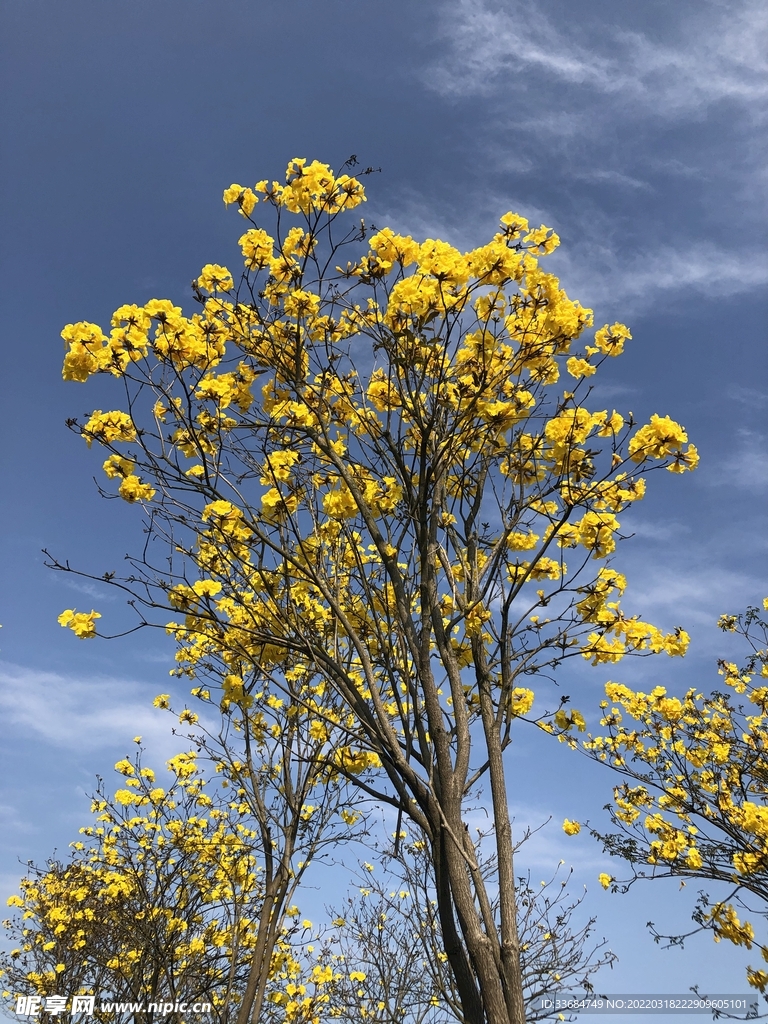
x=166 y=900
x=271 y=759
x=369 y=476
x=697 y=809
x=284 y=792
x=159 y=902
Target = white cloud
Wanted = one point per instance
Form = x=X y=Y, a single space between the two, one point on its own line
x=691 y=592
x=100 y=594
x=595 y=263
x=661 y=531
x=747 y=396
x=79 y=714
x=589 y=103
x=547 y=846
x=600 y=275
x=12 y=821
x=613 y=178
x=721 y=55
x=602 y=391
x=487 y=41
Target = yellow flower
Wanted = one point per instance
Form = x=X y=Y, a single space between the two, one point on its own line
x=126 y=797
x=108 y=427
x=116 y=466
x=245 y=198
x=215 y=278
x=318 y=730
x=605 y=879
x=571 y=828
x=206 y=588
x=257 y=247
x=657 y=439
x=580 y=367
x=88 y=350
x=693 y=858
x=82 y=624
x=521 y=700
x=611 y=339
x=132 y=489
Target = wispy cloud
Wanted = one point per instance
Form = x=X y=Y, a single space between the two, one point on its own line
x=579 y=108
x=604 y=275
x=597 y=264
x=614 y=178
x=721 y=57
x=604 y=391
x=78 y=714
x=661 y=531
x=100 y=594
x=747 y=396
x=697 y=594
x=11 y=821
x=487 y=41
x=547 y=846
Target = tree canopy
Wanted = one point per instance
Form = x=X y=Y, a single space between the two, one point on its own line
x=697 y=808
x=363 y=463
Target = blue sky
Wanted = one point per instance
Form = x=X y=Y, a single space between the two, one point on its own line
x=637 y=131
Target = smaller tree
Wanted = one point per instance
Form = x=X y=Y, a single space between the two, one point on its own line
x=163 y=900
x=695 y=803
x=273 y=753
x=157 y=903
x=395 y=965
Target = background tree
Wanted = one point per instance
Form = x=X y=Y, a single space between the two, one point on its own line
x=158 y=902
x=167 y=899
x=695 y=803
x=384 y=519
x=268 y=768
x=271 y=757
x=283 y=789
x=389 y=937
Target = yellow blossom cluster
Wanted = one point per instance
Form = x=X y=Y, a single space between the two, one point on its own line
x=162 y=890
x=700 y=805
x=82 y=624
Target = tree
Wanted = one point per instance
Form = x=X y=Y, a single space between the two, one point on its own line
x=291 y=799
x=698 y=808
x=159 y=902
x=169 y=898
x=271 y=758
x=384 y=519
x=390 y=934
